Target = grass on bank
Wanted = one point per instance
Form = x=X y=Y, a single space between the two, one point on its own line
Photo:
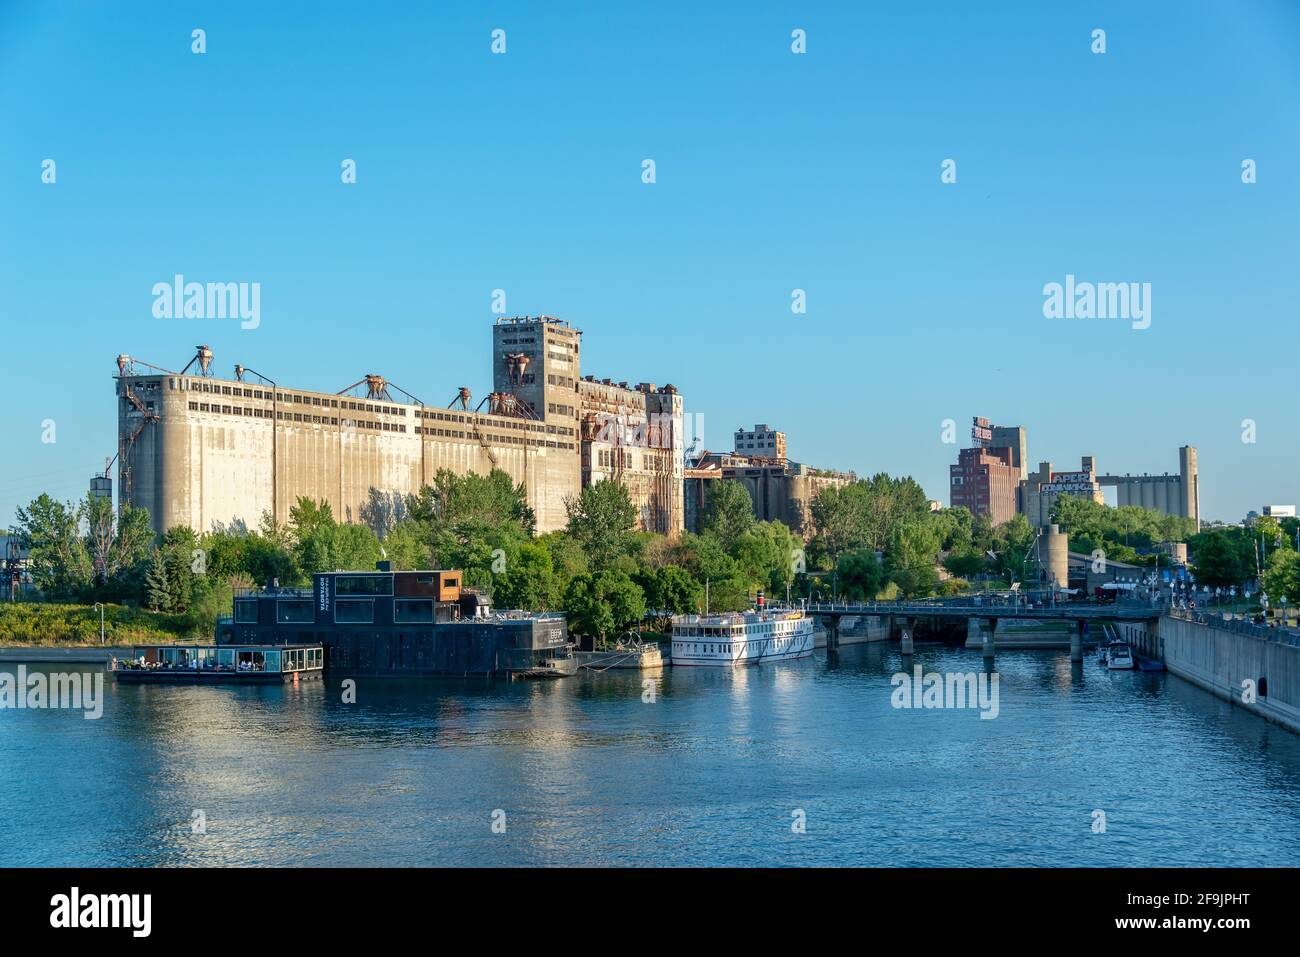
x=47 y=624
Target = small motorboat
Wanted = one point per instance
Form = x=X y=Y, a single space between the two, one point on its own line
x=1120 y=658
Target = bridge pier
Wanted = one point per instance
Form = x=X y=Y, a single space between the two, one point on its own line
x=832 y=626
x=906 y=628
x=1076 y=641
x=990 y=636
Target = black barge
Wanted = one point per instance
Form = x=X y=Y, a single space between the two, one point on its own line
x=401 y=624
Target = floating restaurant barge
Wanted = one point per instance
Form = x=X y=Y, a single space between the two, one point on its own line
x=208 y=664
x=402 y=624
x=408 y=624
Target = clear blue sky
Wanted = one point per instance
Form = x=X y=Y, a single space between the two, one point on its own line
x=775 y=171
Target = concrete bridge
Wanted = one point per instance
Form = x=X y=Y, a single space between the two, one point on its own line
x=905 y=615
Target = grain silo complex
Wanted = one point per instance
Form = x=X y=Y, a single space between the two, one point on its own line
x=196 y=449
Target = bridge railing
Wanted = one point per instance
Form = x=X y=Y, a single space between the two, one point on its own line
x=1133 y=610
x=1282 y=634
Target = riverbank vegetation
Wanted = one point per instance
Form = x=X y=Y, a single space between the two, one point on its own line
x=49 y=623
x=876 y=537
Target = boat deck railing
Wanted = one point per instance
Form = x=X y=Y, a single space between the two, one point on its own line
x=264 y=592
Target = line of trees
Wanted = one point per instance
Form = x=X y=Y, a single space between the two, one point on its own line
x=873 y=538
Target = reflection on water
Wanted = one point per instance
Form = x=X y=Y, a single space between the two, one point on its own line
x=707 y=772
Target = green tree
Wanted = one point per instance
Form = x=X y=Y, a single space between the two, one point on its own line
x=859 y=575
x=115 y=544
x=472 y=501
x=728 y=512
x=60 y=563
x=601 y=519
x=865 y=513
x=766 y=555
x=911 y=558
x=321 y=544
x=598 y=605
x=159 y=589
x=670 y=590
x=182 y=566
x=1282 y=577
x=1221 y=559
x=955 y=527
x=1013 y=542
x=527 y=579
x=965 y=562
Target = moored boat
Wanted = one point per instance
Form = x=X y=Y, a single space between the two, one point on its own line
x=213 y=664
x=743 y=638
x=1120 y=657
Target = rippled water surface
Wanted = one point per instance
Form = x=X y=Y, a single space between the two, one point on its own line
x=710 y=772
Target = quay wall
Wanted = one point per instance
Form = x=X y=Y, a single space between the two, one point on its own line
x=1219 y=660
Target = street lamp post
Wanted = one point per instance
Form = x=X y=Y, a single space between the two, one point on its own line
x=100 y=606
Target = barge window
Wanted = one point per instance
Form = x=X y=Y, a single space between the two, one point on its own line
x=271 y=661
x=294 y=611
x=363 y=584
x=354 y=611
x=246 y=611
x=413 y=610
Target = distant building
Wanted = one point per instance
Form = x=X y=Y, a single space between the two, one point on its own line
x=1014 y=439
x=779 y=490
x=1169 y=494
x=984 y=480
x=15 y=567
x=633 y=435
x=763 y=442
x=1038 y=492
x=196 y=449
x=101 y=487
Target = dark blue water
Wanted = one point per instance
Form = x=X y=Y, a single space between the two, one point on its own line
x=710 y=773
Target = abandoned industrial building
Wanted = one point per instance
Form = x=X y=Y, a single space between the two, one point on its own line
x=196 y=450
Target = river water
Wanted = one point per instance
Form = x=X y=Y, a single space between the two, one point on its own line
x=788 y=763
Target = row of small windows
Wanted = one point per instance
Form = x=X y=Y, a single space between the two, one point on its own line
x=288 y=398
x=367 y=424
x=296 y=417
x=764 y=628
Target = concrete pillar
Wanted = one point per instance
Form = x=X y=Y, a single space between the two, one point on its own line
x=906 y=628
x=990 y=635
x=1076 y=642
x=832 y=633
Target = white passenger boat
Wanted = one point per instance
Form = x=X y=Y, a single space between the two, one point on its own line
x=1120 y=658
x=744 y=638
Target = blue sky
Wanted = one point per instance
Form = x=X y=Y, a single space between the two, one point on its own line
x=775 y=171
